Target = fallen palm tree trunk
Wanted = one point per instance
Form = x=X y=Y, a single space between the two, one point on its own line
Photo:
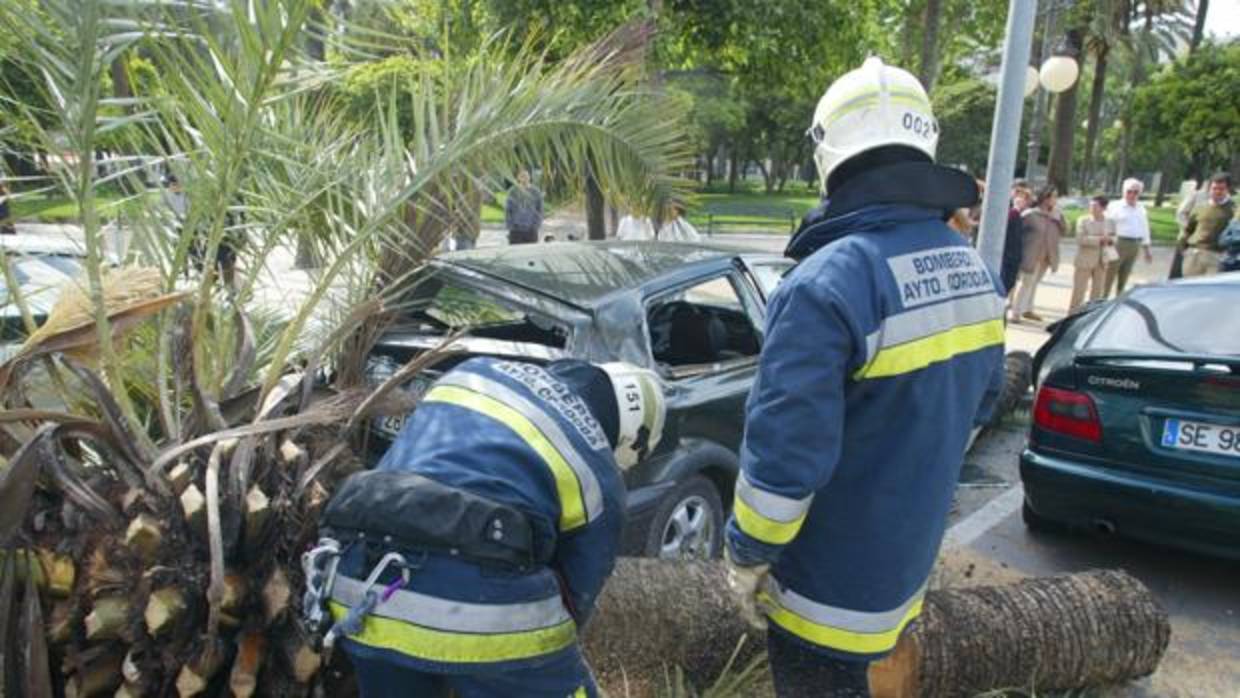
x=1054 y=633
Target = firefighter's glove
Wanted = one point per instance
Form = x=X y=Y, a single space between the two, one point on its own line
x=746 y=583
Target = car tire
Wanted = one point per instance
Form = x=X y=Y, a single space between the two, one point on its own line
x=1037 y=523
x=688 y=523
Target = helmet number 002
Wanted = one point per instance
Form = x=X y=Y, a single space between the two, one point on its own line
x=918 y=124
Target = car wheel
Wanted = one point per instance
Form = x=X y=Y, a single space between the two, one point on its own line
x=689 y=523
x=1037 y=523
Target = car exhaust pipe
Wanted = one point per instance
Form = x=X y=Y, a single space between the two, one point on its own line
x=1104 y=526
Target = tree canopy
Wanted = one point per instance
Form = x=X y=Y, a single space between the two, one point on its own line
x=1194 y=103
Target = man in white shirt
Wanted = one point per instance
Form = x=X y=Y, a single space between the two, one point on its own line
x=1132 y=231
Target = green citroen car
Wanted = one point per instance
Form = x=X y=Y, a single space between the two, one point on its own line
x=1136 y=421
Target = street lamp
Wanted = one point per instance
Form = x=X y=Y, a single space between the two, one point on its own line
x=1059 y=73
x=1031 y=80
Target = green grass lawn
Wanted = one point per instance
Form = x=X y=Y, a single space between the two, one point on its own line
x=1163 y=227
x=750 y=209
x=62 y=209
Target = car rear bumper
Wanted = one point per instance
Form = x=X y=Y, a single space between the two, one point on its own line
x=1132 y=504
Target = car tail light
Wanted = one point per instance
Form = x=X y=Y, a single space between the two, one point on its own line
x=1067 y=412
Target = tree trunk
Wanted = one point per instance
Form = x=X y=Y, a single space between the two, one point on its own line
x=1060 y=165
x=930 y=43
x=1136 y=77
x=121 y=86
x=1168 y=167
x=912 y=16
x=596 y=228
x=1125 y=146
x=1095 y=112
x=734 y=161
x=1199 y=27
x=315 y=47
x=768 y=179
x=1069 y=632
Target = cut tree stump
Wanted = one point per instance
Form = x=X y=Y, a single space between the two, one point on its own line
x=1054 y=633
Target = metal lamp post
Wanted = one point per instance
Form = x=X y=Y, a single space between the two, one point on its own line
x=1005 y=133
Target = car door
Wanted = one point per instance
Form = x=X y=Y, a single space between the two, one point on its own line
x=705 y=342
x=765 y=273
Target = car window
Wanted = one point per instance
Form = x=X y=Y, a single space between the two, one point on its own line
x=1190 y=319
x=700 y=327
x=768 y=275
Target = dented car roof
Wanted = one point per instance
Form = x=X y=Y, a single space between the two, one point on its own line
x=585 y=273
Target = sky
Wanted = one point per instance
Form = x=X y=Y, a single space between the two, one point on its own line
x=1223 y=19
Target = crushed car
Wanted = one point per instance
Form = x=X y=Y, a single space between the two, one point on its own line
x=692 y=312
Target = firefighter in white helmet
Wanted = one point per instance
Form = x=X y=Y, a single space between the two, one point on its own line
x=883 y=348
x=470 y=557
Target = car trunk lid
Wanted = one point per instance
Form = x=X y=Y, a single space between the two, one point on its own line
x=1160 y=412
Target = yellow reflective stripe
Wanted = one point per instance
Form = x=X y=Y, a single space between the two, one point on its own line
x=871 y=98
x=920 y=353
x=443 y=646
x=838 y=638
x=580 y=693
x=761 y=528
x=567 y=487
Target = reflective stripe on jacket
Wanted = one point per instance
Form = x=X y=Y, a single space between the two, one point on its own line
x=513 y=433
x=881 y=349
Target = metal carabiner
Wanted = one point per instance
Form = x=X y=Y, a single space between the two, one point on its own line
x=351 y=624
x=378 y=570
x=319 y=565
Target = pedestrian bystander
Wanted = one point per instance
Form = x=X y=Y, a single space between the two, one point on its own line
x=1132 y=234
x=1200 y=238
x=1043 y=225
x=1013 y=245
x=523 y=211
x=1095 y=235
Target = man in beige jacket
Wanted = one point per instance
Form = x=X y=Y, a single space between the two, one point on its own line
x=1044 y=225
x=1095 y=233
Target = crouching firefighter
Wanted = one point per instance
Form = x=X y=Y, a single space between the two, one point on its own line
x=473 y=553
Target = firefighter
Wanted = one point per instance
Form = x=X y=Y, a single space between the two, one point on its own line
x=471 y=556
x=883 y=349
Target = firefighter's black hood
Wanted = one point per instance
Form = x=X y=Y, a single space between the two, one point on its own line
x=920 y=184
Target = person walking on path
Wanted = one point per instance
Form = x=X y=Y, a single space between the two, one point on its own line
x=1044 y=226
x=1132 y=235
x=1200 y=238
x=884 y=346
x=1013 y=243
x=1095 y=235
x=523 y=211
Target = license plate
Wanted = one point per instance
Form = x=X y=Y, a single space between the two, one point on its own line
x=1184 y=435
x=390 y=425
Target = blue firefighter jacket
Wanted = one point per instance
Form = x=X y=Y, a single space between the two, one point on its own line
x=513 y=433
x=881 y=349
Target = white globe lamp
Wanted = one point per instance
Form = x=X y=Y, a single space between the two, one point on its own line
x=1059 y=73
x=1031 y=80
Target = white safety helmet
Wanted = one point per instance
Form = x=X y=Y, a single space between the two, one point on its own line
x=873 y=106
x=640 y=406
